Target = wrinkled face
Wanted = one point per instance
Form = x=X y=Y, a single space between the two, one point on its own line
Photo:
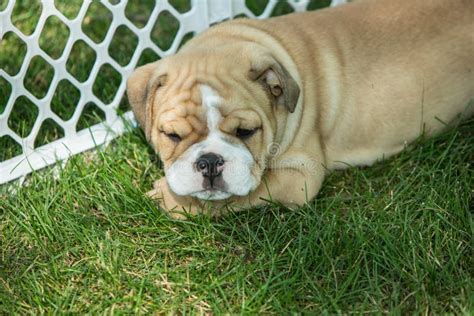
x=207 y=151
x=211 y=123
x=211 y=141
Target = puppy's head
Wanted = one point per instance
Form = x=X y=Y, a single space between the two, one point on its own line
x=211 y=116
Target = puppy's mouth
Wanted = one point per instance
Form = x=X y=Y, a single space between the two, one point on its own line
x=211 y=195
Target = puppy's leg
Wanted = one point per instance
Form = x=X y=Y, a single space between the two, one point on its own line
x=291 y=187
x=174 y=204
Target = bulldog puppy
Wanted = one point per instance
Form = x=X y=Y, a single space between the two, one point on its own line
x=255 y=110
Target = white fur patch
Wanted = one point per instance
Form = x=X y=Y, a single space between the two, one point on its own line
x=184 y=179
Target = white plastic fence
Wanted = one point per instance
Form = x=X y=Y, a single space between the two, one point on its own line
x=202 y=14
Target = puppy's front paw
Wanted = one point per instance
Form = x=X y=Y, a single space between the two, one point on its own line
x=176 y=206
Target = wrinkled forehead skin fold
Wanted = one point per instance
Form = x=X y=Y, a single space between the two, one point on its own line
x=178 y=107
x=204 y=103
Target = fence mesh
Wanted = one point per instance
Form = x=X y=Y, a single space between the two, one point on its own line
x=64 y=64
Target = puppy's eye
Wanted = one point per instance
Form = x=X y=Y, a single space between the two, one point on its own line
x=173 y=136
x=244 y=133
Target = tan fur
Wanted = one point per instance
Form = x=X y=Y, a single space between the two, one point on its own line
x=372 y=76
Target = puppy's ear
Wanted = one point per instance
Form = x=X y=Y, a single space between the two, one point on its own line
x=141 y=87
x=278 y=82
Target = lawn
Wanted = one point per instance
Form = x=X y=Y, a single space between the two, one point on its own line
x=393 y=238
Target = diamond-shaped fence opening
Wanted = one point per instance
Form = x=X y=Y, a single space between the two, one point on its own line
x=123 y=45
x=282 y=8
x=91 y=115
x=186 y=38
x=182 y=6
x=23 y=116
x=10 y=148
x=148 y=56
x=85 y=50
x=56 y=29
x=69 y=8
x=5 y=92
x=65 y=99
x=48 y=132
x=139 y=11
x=107 y=83
x=38 y=77
x=26 y=14
x=124 y=105
x=256 y=6
x=97 y=21
x=165 y=30
x=81 y=60
x=12 y=53
x=318 y=4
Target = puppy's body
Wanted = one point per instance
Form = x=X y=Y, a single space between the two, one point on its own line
x=375 y=74
x=358 y=83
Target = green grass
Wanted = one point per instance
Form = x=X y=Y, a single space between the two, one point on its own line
x=396 y=237
x=393 y=238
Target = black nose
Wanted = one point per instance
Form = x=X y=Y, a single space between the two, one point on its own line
x=210 y=165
